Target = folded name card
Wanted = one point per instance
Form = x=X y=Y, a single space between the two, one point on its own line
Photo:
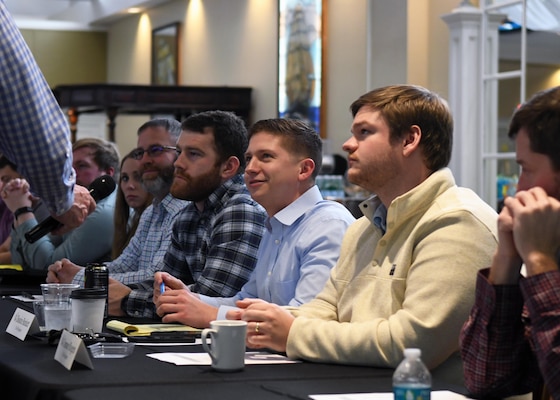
x=72 y=348
x=23 y=323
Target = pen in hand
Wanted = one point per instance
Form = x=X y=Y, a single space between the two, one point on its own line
x=162 y=287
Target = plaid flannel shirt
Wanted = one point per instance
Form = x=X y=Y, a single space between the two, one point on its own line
x=213 y=251
x=511 y=339
x=34 y=133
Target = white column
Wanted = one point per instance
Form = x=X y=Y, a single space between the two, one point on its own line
x=466 y=89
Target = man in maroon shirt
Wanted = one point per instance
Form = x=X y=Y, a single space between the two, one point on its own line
x=511 y=341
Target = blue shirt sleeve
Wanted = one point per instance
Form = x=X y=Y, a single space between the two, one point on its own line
x=90 y=242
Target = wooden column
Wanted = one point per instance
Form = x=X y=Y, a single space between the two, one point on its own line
x=73 y=120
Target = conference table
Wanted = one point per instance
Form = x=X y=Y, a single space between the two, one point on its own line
x=28 y=370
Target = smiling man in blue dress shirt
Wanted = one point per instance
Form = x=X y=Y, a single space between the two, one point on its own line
x=303 y=232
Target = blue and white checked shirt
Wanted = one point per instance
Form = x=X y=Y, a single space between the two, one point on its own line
x=144 y=254
x=298 y=249
x=213 y=251
x=34 y=133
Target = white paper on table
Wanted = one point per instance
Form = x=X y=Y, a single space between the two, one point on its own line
x=435 y=395
x=252 y=357
x=27 y=299
x=166 y=344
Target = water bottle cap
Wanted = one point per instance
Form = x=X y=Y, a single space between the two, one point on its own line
x=412 y=353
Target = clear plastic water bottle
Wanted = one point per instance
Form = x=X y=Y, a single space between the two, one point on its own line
x=412 y=380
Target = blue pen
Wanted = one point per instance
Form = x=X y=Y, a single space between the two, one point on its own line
x=162 y=287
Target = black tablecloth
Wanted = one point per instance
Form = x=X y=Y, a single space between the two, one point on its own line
x=28 y=371
x=194 y=391
x=379 y=381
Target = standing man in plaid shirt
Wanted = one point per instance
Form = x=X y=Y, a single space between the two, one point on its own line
x=215 y=238
x=510 y=344
x=34 y=133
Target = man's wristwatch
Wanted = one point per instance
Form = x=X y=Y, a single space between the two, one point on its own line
x=22 y=210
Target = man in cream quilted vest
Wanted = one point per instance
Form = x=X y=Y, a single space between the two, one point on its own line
x=407 y=269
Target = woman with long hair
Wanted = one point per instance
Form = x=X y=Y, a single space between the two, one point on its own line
x=132 y=200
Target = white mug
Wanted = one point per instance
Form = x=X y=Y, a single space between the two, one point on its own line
x=227 y=350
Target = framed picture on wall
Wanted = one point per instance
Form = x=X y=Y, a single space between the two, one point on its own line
x=301 y=57
x=165 y=55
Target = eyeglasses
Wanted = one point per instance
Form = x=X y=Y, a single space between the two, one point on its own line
x=153 y=151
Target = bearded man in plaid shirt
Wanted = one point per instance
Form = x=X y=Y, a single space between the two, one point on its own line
x=215 y=238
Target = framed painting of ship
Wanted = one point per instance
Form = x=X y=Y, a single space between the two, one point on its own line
x=165 y=55
x=300 y=61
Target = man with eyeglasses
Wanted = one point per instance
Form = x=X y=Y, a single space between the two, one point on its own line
x=153 y=151
x=215 y=238
x=145 y=251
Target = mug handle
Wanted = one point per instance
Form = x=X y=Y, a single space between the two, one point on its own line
x=204 y=338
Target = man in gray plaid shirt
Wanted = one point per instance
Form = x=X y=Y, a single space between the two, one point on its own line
x=215 y=238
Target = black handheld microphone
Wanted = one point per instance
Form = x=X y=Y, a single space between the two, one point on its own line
x=99 y=189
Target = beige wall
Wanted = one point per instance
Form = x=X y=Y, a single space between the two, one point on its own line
x=370 y=43
x=222 y=42
x=234 y=42
x=345 y=76
x=537 y=77
x=68 y=57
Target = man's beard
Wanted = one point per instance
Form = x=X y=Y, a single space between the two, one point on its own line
x=199 y=188
x=159 y=187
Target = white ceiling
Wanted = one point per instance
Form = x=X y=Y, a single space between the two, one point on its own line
x=72 y=14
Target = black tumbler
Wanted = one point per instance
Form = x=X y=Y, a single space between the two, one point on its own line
x=96 y=276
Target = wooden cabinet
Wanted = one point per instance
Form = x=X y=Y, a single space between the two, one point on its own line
x=179 y=101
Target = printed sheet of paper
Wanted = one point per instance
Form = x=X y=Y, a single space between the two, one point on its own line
x=204 y=358
x=435 y=395
x=27 y=298
x=167 y=344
